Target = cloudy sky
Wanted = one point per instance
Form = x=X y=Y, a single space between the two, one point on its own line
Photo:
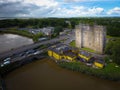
x=59 y=8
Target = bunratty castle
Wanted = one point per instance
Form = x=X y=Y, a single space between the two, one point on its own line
x=91 y=36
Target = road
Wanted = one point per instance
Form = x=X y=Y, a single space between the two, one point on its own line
x=65 y=38
x=31 y=46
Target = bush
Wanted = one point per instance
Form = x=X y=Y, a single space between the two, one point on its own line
x=109 y=72
x=113 y=49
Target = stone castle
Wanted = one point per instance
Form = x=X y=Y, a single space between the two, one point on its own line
x=91 y=36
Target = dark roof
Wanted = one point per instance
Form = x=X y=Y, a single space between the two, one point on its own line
x=100 y=61
x=70 y=54
x=59 y=48
x=85 y=53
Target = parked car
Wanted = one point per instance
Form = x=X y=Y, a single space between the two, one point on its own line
x=7 y=59
x=43 y=39
x=5 y=63
x=37 y=52
x=30 y=51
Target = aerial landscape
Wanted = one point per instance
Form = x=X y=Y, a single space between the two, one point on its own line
x=59 y=44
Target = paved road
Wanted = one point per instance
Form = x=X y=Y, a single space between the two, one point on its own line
x=31 y=46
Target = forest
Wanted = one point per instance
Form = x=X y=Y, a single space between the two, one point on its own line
x=112 y=23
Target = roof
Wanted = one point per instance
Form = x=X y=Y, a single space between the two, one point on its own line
x=85 y=53
x=60 y=48
x=70 y=54
x=100 y=61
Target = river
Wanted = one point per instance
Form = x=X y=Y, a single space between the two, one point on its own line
x=11 y=41
x=47 y=75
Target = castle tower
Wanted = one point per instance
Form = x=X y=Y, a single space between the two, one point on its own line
x=91 y=36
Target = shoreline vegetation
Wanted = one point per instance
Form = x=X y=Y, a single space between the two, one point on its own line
x=110 y=72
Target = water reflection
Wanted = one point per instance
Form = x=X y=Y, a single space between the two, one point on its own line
x=10 y=41
x=46 y=75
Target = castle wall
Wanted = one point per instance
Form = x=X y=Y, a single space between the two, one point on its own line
x=91 y=37
x=78 y=37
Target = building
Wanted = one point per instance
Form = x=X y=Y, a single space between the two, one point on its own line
x=70 y=56
x=91 y=36
x=99 y=63
x=66 y=53
x=62 y=51
x=85 y=55
x=47 y=30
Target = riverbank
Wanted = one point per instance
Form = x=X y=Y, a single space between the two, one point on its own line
x=110 y=72
x=105 y=73
x=9 y=68
x=45 y=74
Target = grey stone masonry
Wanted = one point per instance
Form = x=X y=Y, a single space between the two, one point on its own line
x=91 y=36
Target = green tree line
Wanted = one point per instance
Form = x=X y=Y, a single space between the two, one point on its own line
x=112 y=24
x=113 y=50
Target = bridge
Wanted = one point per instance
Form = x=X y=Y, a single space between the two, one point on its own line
x=31 y=46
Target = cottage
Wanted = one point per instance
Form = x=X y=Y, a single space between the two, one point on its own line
x=70 y=56
x=61 y=51
x=85 y=55
x=99 y=63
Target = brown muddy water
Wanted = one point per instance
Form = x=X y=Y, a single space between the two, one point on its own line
x=47 y=75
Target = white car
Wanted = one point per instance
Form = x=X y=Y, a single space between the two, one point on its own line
x=7 y=59
x=37 y=52
x=5 y=63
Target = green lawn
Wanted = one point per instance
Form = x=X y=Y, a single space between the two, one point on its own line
x=86 y=49
x=72 y=43
x=109 y=36
x=89 y=50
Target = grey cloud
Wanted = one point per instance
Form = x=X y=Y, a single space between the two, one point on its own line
x=16 y=8
x=44 y=12
x=11 y=9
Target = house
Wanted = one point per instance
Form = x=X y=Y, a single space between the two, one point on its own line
x=57 y=55
x=99 y=63
x=65 y=52
x=70 y=56
x=47 y=30
x=85 y=55
x=60 y=52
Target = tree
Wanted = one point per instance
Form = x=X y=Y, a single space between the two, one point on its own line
x=37 y=36
x=113 y=49
x=58 y=29
x=108 y=48
x=116 y=52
